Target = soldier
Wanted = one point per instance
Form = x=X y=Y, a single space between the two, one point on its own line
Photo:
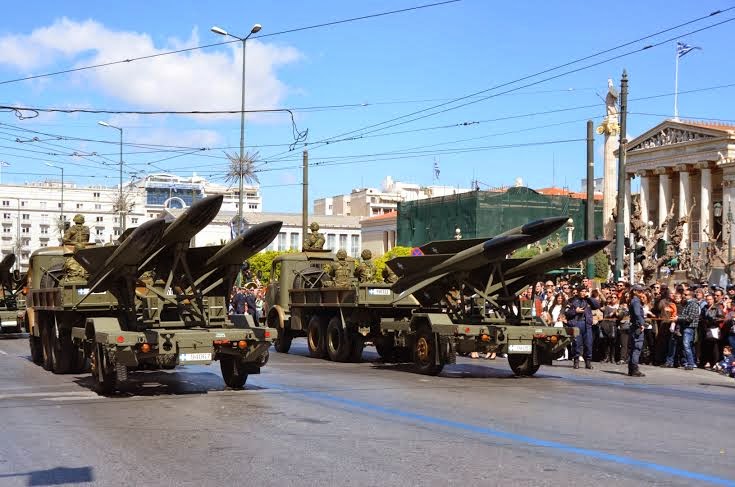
x=315 y=240
x=72 y=269
x=389 y=276
x=365 y=271
x=79 y=233
x=339 y=271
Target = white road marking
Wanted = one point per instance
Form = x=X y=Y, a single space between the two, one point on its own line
x=57 y=395
x=3 y=352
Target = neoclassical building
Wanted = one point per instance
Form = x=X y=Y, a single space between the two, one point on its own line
x=685 y=163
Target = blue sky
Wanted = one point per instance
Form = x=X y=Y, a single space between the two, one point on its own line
x=383 y=68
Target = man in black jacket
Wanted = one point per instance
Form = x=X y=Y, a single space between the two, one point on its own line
x=637 y=327
x=579 y=314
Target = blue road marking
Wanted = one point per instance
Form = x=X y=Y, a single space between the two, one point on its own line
x=494 y=433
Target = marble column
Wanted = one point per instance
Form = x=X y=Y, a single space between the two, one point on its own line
x=664 y=199
x=645 y=194
x=627 y=209
x=610 y=128
x=705 y=202
x=685 y=198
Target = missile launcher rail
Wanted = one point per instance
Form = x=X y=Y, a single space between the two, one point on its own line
x=414 y=319
x=150 y=302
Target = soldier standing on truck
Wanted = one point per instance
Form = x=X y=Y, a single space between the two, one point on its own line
x=365 y=271
x=389 y=276
x=78 y=233
x=315 y=240
x=72 y=269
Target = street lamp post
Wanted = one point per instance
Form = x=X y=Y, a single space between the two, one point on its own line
x=218 y=30
x=121 y=202
x=62 y=193
x=570 y=231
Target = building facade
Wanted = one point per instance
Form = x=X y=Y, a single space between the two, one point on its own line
x=687 y=167
x=379 y=233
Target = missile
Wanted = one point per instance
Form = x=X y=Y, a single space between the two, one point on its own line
x=414 y=270
x=252 y=241
x=103 y=262
x=554 y=259
x=193 y=220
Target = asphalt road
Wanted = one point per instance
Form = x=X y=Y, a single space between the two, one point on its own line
x=313 y=422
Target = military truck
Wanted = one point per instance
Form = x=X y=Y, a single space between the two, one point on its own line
x=457 y=298
x=149 y=302
x=12 y=300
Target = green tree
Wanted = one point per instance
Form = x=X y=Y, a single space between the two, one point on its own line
x=261 y=263
x=602 y=267
x=526 y=252
x=394 y=252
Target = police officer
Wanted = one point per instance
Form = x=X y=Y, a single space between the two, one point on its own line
x=637 y=327
x=579 y=314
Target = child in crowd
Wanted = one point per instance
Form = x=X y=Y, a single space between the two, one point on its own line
x=726 y=366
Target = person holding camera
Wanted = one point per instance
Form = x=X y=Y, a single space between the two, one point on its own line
x=579 y=314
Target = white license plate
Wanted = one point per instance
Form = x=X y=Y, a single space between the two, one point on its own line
x=195 y=357
x=8 y=324
x=520 y=348
x=378 y=292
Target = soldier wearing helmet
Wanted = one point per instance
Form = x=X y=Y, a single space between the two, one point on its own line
x=78 y=233
x=365 y=271
x=315 y=240
x=72 y=269
x=340 y=272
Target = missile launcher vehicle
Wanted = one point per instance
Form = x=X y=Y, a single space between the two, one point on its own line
x=11 y=299
x=460 y=296
x=148 y=302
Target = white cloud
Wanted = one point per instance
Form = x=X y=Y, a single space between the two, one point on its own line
x=202 y=79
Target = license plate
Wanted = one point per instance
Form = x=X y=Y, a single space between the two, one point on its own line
x=379 y=292
x=520 y=348
x=195 y=357
x=8 y=324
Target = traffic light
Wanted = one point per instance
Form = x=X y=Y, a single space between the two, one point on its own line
x=639 y=254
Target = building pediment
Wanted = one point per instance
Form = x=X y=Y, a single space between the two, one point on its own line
x=670 y=133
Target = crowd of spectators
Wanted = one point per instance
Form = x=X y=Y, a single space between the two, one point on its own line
x=686 y=325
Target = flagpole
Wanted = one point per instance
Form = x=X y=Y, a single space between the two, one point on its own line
x=676 y=86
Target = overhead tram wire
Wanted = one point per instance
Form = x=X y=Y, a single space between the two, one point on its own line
x=188 y=49
x=547 y=70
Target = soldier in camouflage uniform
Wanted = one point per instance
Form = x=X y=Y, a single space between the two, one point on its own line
x=73 y=271
x=365 y=271
x=389 y=276
x=315 y=240
x=79 y=233
x=340 y=272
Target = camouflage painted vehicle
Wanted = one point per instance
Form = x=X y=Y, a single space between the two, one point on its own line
x=457 y=298
x=12 y=301
x=149 y=302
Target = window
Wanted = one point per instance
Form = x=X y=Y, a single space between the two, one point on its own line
x=343 y=242
x=134 y=221
x=79 y=206
x=295 y=241
x=6 y=203
x=99 y=231
x=331 y=240
x=44 y=230
x=100 y=219
x=43 y=205
x=26 y=216
x=25 y=241
x=43 y=244
x=25 y=230
x=282 y=241
x=117 y=232
x=6 y=229
x=58 y=205
x=253 y=206
x=23 y=203
x=96 y=195
x=355 y=245
x=6 y=216
x=97 y=206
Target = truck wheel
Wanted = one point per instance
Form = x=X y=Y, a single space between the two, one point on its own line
x=36 y=350
x=233 y=371
x=522 y=365
x=282 y=344
x=63 y=350
x=315 y=337
x=46 y=347
x=105 y=378
x=338 y=342
x=424 y=353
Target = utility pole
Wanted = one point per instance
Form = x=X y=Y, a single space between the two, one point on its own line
x=590 y=234
x=305 y=197
x=620 y=220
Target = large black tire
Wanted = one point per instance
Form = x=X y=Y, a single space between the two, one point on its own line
x=233 y=371
x=105 y=378
x=315 y=337
x=46 y=345
x=64 y=354
x=522 y=365
x=425 y=353
x=282 y=344
x=338 y=341
x=34 y=343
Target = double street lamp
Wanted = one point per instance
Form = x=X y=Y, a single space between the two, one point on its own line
x=121 y=203
x=218 y=30
x=62 y=193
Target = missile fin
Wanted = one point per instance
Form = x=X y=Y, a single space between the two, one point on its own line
x=93 y=258
x=404 y=266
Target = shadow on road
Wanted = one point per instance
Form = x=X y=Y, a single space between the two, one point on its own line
x=616 y=372
x=161 y=383
x=55 y=476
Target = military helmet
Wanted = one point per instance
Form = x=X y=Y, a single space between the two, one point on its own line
x=341 y=254
x=314 y=226
x=366 y=254
x=78 y=219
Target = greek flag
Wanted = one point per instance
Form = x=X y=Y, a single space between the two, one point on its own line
x=436 y=170
x=682 y=49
